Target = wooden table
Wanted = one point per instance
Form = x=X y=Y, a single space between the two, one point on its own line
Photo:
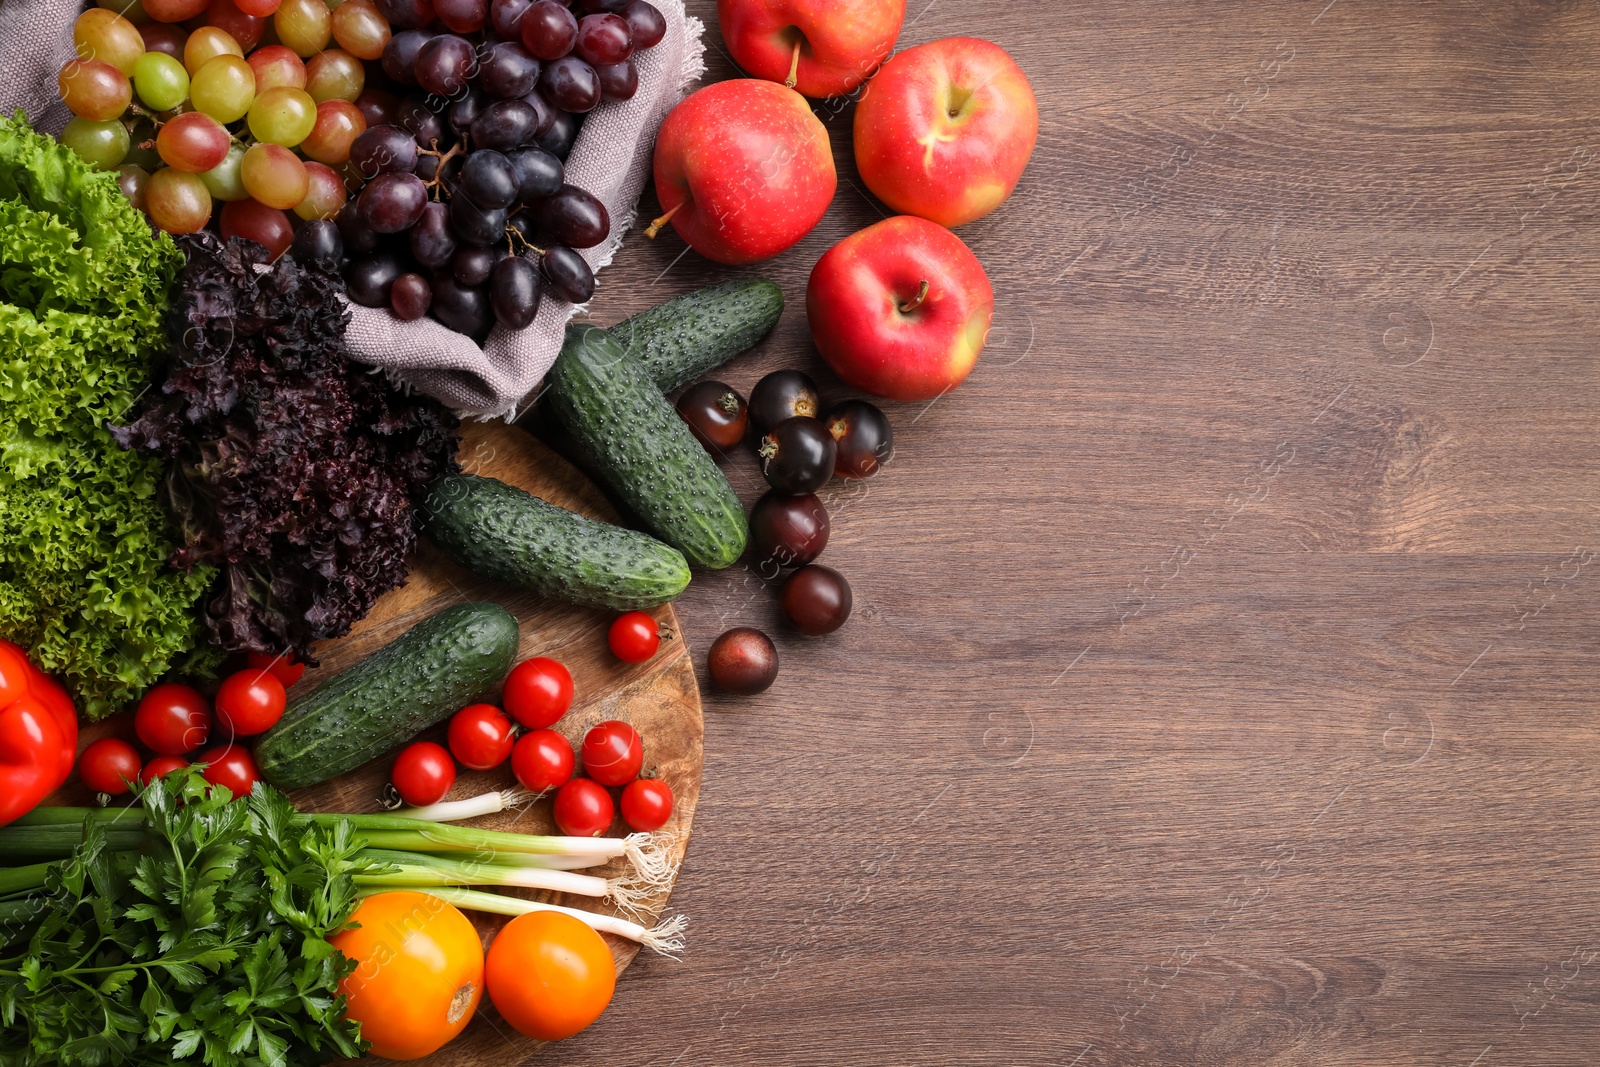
x=1222 y=687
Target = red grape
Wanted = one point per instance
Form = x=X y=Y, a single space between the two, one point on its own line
x=256 y=222
x=392 y=202
x=193 y=142
x=94 y=89
x=339 y=123
x=177 y=202
x=410 y=296
x=462 y=16
x=548 y=29
x=604 y=39
x=571 y=84
x=646 y=22
x=445 y=65
x=568 y=274
x=514 y=291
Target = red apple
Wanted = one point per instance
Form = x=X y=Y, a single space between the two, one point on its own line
x=743 y=169
x=945 y=129
x=840 y=42
x=900 y=309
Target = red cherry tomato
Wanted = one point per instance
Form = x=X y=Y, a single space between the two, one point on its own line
x=160 y=765
x=108 y=765
x=480 y=736
x=250 y=702
x=634 y=637
x=423 y=773
x=613 y=753
x=583 y=809
x=647 y=804
x=283 y=666
x=173 y=719
x=542 y=760
x=538 y=692
x=232 y=766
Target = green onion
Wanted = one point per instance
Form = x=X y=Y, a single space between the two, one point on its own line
x=472 y=807
x=409 y=869
x=665 y=937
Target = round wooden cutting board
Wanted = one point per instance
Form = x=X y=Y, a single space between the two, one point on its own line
x=660 y=698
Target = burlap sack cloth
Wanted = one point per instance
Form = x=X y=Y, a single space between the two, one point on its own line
x=611 y=159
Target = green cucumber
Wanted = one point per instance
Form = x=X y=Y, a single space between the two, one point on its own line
x=680 y=340
x=499 y=531
x=428 y=673
x=633 y=440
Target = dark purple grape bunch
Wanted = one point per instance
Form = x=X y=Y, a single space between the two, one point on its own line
x=464 y=212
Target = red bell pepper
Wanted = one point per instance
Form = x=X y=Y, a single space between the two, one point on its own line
x=38 y=734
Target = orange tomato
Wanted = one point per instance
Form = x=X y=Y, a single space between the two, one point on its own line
x=549 y=974
x=418 y=976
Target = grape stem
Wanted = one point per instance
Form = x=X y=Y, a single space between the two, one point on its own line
x=515 y=235
x=437 y=182
x=654 y=228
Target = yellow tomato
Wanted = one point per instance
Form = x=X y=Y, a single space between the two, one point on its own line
x=418 y=976
x=549 y=974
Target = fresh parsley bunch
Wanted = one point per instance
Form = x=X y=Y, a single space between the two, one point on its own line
x=209 y=943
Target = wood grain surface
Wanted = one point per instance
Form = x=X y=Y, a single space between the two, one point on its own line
x=1222 y=687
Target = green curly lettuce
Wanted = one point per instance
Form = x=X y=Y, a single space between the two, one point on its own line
x=84 y=582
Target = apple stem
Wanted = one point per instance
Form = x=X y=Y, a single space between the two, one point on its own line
x=794 y=64
x=916 y=301
x=654 y=228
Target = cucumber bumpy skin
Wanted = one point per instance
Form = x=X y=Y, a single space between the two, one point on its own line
x=678 y=341
x=502 y=532
x=422 y=677
x=636 y=443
